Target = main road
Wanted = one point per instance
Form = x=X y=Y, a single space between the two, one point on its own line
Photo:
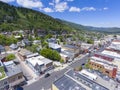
x=45 y=83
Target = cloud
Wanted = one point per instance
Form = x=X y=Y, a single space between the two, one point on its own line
x=105 y=8
x=47 y=9
x=88 y=9
x=61 y=6
x=30 y=3
x=7 y=1
x=74 y=9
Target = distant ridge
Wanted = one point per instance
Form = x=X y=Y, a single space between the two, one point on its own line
x=16 y=18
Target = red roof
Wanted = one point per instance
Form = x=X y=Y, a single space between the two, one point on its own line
x=104 y=57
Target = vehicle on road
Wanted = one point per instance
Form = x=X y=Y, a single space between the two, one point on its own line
x=47 y=75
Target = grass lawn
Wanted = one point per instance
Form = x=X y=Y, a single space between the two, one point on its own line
x=2 y=72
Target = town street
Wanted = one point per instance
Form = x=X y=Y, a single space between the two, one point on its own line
x=45 y=83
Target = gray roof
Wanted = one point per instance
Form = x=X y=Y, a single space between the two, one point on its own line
x=71 y=46
x=11 y=69
x=1 y=47
x=66 y=83
x=13 y=46
x=95 y=85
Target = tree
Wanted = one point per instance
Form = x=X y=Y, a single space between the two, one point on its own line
x=90 y=41
x=80 y=68
x=10 y=57
x=61 y=61
x=51 y=54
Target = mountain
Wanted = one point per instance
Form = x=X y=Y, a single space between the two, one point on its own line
x=90 y=28
x=16 y=18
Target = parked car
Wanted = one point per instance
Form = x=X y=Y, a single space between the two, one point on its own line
x=47 y=75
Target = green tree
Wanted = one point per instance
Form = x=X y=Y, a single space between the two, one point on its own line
x=80 y=68
x=90 y=41
x=51 y=54
x=10 y=57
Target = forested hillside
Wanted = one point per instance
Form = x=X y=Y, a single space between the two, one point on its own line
x=15 y=18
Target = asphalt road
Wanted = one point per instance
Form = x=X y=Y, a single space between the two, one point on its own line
x=45 y=83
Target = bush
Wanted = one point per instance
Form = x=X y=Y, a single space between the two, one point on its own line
x=10 y=57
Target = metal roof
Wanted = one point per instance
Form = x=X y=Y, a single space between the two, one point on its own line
x=11 y=69
x=95 y=85
x=66 y=83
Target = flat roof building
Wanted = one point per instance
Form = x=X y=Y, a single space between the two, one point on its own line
x=73 y=80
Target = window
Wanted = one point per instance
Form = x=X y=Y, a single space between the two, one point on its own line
x=5 y=82
x=19 y=77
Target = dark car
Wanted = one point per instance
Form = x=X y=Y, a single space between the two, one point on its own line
x=83 y=64
x=47 y=75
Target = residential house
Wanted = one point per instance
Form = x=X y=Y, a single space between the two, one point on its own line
x=23 y=53
x=26 y=42
x=55 y=47
x=52 y=40
x=14 y=46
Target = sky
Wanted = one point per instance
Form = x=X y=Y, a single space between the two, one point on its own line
x=98 y=13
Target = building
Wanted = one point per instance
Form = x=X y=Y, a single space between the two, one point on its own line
x=14 y=73
x=39 y=64
x=2 y=49
x=105 y=68
x=65 y=57
x=107 y=59
x=52 y=40
x=36 y=65
x=54 y=46
x=26 y=42
x=11 y=75
x=73 y=80
x=71 y=48
x=23 y=53
x=14 y=46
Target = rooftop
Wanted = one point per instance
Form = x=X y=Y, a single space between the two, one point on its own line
x=94 y=85
x=11 y=69
x=25 y=52
x=54 y=46
x=34 y=61
x=70 y=46
x=66 y=83
x=103 y=57
x=106 y=65
x=111 y=53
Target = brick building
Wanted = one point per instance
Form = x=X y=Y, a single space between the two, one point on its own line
x=109 y=70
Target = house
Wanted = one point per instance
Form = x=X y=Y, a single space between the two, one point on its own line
x=14 y=46
x=2 y=49
x=23 y=53
x=52 y=40
x=36 y=42
x=55 y=47
x=26 y=42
